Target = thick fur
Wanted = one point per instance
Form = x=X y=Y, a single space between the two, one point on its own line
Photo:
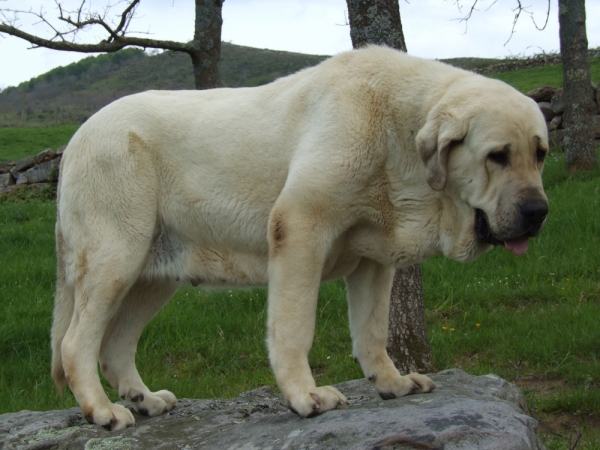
x=369 y=161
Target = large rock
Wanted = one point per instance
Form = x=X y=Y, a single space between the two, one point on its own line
x=6 y=179
x=43 y=172
x=546 y=109
x=557 y=102
x=542 y=94
x=6 y=166
x=44 y=156
x=555 y=123
x=21 y=165
x=464 y=412
x=22 y=178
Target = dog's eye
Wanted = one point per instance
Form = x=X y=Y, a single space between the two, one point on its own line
x=540 y=155
x=499 y=157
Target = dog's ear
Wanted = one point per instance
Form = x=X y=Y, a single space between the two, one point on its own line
x=441 y=131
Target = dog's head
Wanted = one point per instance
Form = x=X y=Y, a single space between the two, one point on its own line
x=484 y=146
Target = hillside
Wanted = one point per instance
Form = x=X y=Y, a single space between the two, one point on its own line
x=70 y=94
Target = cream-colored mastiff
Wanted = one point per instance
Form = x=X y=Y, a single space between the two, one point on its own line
x=370 y=161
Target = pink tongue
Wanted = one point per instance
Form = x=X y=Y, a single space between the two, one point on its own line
x=517 y=246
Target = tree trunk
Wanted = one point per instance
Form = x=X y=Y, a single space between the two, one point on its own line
x=579 y=105
x=207 y=44
x=408 y=344
x=375 y=22
x=378 y=22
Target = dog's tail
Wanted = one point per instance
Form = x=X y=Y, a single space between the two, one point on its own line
x=64 y=301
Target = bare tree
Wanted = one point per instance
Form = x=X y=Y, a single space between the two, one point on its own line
x=378 y=22
x=204 y=49
x=579 y=107
x=578 y=120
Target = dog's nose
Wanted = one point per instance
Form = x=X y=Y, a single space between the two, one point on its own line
x=534 y=212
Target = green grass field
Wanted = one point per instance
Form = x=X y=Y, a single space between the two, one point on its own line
x=17 y=143
x=527 y=79
x=532 y=319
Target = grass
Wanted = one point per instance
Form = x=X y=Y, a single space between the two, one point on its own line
x=527 y=79
x=16 y=144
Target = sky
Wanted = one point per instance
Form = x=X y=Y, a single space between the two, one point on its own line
x=433 y=29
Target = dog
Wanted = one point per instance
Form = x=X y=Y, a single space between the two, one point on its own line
x=370 y=161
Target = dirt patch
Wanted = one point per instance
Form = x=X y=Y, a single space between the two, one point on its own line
x=563 y=430
x=541 y=386
x=577 y=431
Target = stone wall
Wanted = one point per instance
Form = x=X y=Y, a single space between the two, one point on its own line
x=551 y=103
x=33 y=172
x=544 y=59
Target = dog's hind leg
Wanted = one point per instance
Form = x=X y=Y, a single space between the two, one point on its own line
x=63 y=312
x=103 y=276
x=369 y=288
x=117 y=355
x=108 y=214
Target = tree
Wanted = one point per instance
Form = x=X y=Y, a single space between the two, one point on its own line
x=204 y=49
x=578 y=120
x=577 y=92
x=378 y=22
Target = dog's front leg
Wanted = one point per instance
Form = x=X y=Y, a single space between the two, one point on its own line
x=369 y=288
x=297 y=252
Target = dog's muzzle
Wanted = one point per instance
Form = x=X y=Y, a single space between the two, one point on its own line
x=532 y=215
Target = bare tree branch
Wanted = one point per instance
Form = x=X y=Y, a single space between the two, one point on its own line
x=518 y=10
x=90 y=18
x=82 y=19
x=114 y=45
x=204 y=48
x=471 y=10
x=546 y=22
x=126 y=17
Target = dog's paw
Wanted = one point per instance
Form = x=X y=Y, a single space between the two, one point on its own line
x=423 y=384
x=317 y=401
x=151 y=403
x=400 y=386
x=114 y=417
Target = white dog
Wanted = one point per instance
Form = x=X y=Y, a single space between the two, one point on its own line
x=370 y=161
